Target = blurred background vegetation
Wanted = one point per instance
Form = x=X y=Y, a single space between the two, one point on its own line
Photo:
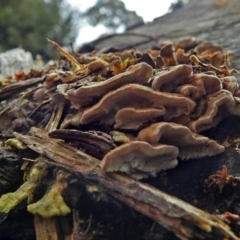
x=112 y=14
x=27 y=23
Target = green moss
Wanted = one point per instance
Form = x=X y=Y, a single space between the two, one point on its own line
x=15 y=143
x=11 y=200
x=52 y=203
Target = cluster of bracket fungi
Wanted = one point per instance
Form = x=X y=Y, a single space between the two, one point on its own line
x=150 y=107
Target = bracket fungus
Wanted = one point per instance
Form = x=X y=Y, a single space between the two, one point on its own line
x=230 y=83
x=219 y=105
x=167 y=55
x=205 y=83
x=132 y=118
x=137 y=96
x=139 y=113
x=206 y=47
x=168 y=80
x=139 y=159
x=96 y=65
x=191 y=145
x=187 y=43
x=187 y=82
x=217 y=59
x=182 y=56
x=200 y=85
x=138 y=73
x=188 y=90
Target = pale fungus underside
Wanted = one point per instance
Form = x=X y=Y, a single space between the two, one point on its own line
x=139 y=113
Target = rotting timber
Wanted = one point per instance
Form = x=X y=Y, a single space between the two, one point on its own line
x=77 y=175
x=168 y=211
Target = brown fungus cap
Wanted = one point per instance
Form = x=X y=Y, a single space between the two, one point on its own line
x=127 y=54
x=140 y=159
x=167 y=55
x=205 y=84
x=219 y=105
x=205 y=48
x=96 y=65
x=191 y=145
x=182 y=57
x=137 y=96
x=86 y=58
x=133 y=118
x=230 y=83
x=217 y=59
x=138 y=73
x=187 y=43
x=188 y=90
x=170 y=79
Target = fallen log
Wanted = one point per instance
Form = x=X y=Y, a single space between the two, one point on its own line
x=184 y=220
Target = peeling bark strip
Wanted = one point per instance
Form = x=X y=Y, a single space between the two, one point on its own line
x=186 y=221
x=14 y=88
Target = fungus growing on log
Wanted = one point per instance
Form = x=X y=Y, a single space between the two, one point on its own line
x=138 y=73
x=167 y=55
x=124 y=55
x=217 y=59
x=132 y=118
x=230 y=83
x=139 y=159
x=187 y=43
x=96 y=65
x=188 y=90
x=182 y=57
x=137 y=96
x=200 y=85
x=170 y=79
x=197 y=95
x=205 y=84
x=219 y=105
x=190 y=145
x=206 y=48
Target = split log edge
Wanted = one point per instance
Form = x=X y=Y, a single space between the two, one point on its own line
x=186 y=221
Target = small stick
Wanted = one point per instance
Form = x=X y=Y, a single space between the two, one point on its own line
x=66 y=54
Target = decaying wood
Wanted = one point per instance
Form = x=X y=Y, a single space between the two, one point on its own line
x=95 y=143
x=186 y=221
x=56 y=114
x=18 y=87
x=77 y=234
x=9 y=170
x=51 y=228
x=3 y=216
x=46 y=228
